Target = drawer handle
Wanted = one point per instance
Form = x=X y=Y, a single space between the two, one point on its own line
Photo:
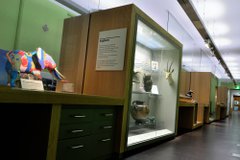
x=79 y=116
x=107 y=127
x=77 y=131
x=105 y=140
x=108 y=114
x=77 y=146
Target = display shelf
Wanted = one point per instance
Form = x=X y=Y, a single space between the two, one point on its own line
x=187 y=116
x=147 y=93
x=197 y=124
x=144 y=135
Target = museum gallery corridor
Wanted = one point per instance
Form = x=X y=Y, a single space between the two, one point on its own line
x=216 y=141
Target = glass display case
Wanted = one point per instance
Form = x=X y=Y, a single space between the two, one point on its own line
x=121 y=52
x=152 y=108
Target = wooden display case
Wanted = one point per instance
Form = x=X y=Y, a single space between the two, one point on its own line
x=124 y=43
x=187 y=115
x=201 y=83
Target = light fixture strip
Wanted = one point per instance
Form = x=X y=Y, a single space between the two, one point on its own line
x=193 y=16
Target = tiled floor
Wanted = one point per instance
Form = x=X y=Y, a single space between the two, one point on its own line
x=216 y=141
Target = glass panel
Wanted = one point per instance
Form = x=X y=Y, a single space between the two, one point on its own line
x=154 y=86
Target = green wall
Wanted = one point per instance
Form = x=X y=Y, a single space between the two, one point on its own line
x=33 y=15
x=230 y=85
x=8 y=23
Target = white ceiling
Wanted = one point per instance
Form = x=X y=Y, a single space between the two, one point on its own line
x=218 y=16
x=220 y=19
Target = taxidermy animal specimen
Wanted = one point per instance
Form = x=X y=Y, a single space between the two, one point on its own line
x=168 y=72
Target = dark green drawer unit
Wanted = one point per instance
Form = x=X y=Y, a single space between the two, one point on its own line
x=86 y=132
x=75 y=130
x=104 y=114
x=72 y=149
x=103 y=145
x=76 y=115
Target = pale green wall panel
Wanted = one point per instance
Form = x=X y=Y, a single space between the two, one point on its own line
x=8 y=23
x=34 y=15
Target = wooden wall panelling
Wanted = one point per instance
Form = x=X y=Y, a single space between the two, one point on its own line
x=204 y=89
x=195 y=87
x=200 y=84
x=73 y=50
x=106 y=83
x=184 y=82
x=110 y=83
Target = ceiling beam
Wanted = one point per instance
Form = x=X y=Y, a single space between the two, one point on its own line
x=193 y=16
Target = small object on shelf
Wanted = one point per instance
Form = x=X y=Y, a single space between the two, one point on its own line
x=147 y=81
x=136 y=87
x=137 y=84
x=154 y=90
x=189 y=93
x=139 y=111
x=49 y=84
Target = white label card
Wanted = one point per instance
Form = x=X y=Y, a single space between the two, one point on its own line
x=111 y=50
x=31 y=84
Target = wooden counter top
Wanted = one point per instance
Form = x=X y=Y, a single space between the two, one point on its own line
x=16 y=95
x=184 y=102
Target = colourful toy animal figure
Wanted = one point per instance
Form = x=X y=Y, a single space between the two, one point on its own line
x=30 y=62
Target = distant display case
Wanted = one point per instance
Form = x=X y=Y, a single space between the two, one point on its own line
x=155 y=74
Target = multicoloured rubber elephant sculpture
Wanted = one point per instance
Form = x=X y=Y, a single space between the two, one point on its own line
x=20 y=61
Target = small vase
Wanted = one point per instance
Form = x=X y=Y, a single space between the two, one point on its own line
x=147 y=80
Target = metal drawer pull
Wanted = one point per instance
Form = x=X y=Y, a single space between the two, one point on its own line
x=105 y=140
x=79 y=116
x=77 y=147
x=107 y=127
x=108 y=114
x=77 y=131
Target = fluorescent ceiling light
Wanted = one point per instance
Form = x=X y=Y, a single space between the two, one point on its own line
x=236 y=76
x=229 y=59
x=62 y=5
x=218 y=28
x=93 y=5
x=89 y=5
x=232 y=64
x=222 y=41
x=209 y=10
x=233 y=68
x=236 y=73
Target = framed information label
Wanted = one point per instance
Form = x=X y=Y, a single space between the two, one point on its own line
x=111 y=49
